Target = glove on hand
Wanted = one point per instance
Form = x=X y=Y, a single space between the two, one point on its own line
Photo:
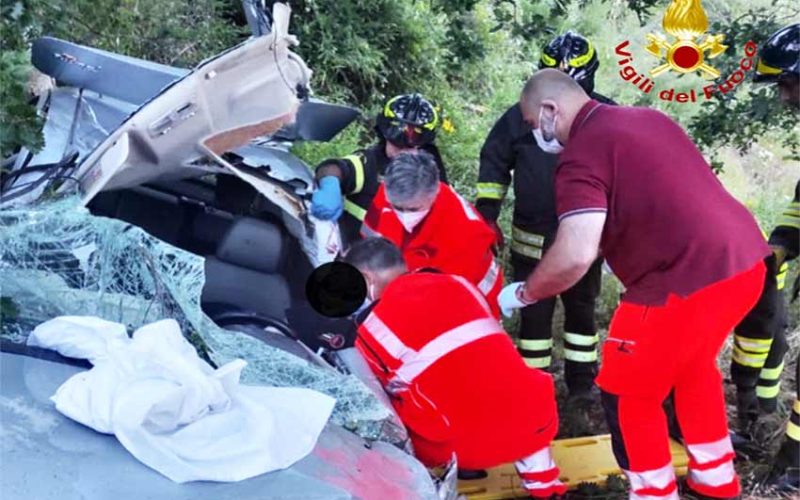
x=326 y=202
x=510 y=298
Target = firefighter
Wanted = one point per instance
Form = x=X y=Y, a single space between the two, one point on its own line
x=445 y=362
x=632 y=183
x=406 y=123
x=433 y=225
x=779 y=64
x=510 y=147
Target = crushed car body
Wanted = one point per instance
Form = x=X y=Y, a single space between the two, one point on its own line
x=167 y=193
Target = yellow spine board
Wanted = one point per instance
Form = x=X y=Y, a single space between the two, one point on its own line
x=581 y=460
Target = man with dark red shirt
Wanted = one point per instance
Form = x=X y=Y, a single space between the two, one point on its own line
x=631 y=185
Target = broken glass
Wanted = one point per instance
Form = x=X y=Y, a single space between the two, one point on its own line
x=58 y=259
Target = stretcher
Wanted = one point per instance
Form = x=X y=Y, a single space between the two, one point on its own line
x=581 y=460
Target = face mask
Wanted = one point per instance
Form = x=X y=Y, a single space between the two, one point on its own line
x=410 y=220
x=548 y=146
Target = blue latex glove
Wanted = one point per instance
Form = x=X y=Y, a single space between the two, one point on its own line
x=326 y=202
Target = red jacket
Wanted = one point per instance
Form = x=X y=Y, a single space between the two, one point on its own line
x=454 y=376
x=453 y=238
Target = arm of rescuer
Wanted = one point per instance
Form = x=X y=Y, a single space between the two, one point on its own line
x=497 y=160
x=335 y=178
x=785 y=238
x=582 y=204
x=575 y=249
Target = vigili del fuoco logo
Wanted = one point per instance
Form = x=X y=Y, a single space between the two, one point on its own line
x=687 y=48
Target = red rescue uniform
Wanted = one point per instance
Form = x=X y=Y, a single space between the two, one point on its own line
x=690 y=257
x=453 y=238
x=455 y=378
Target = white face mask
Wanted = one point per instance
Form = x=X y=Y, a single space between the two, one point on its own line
x=410 y=220
x=548 y=146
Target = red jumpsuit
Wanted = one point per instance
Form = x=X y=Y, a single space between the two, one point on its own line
x=457 y=381
x=453 y=238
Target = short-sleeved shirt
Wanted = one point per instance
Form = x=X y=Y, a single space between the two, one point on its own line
x=671 y=226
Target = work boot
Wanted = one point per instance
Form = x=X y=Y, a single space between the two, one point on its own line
x=785 y=472
x=581 y=413
x=747 y=411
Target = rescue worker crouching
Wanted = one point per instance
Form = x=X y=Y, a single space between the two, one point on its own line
x=433 y=225
x=445 y=361
x=347 y=185
x=511 y=147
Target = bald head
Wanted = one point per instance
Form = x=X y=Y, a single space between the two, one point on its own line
x=554 y=95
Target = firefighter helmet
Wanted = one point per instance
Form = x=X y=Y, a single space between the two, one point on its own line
x=408 y=121
x=573 y=54
x=780 y=55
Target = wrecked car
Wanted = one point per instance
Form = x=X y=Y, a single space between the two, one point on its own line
x=168 y=193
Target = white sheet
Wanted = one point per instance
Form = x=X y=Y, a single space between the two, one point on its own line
x=173 y=411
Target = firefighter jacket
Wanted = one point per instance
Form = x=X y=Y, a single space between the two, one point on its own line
x=511 y=147
x=452 y=238
x=453 y=374
x=362 y=173
x=787 y=232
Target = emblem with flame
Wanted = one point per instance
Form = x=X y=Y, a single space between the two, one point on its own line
x=686 y=21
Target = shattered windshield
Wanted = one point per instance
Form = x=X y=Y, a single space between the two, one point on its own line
x=58 y=259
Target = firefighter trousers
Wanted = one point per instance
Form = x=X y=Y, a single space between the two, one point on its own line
x=580 y=332
x=759 y=349
x=652 y=351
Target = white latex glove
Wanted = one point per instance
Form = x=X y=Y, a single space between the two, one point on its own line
x=510 y=298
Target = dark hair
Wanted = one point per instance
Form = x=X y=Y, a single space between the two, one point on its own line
x=374 y=254
x=410 y=174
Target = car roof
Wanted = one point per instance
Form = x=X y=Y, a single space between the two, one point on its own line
x=46 y=455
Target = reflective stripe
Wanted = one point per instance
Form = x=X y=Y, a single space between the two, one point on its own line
x=533 y=239
x=768 y=392
x=579 y=339
x=793 y=430
x=415 y=363
x=781 y=276
x=468 y=210
x=527 y=251
x=753 y=345
x=753 y=360
x=796 y=406
x=385 y=337
x=708 y=452
x=535 y=345
x=580 y=356
x=540 y=461
x=718 y=476
x=542 y=362
x=584 y=59
x=490 y=279
x=354 y=210
x=358 y=166
x=492 y=190
x=771 y=373
x=657 y=478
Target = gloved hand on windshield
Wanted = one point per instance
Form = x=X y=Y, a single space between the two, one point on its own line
x=326 y=202
x=510 y=298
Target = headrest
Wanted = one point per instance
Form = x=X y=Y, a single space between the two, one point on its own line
x=253 y=244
